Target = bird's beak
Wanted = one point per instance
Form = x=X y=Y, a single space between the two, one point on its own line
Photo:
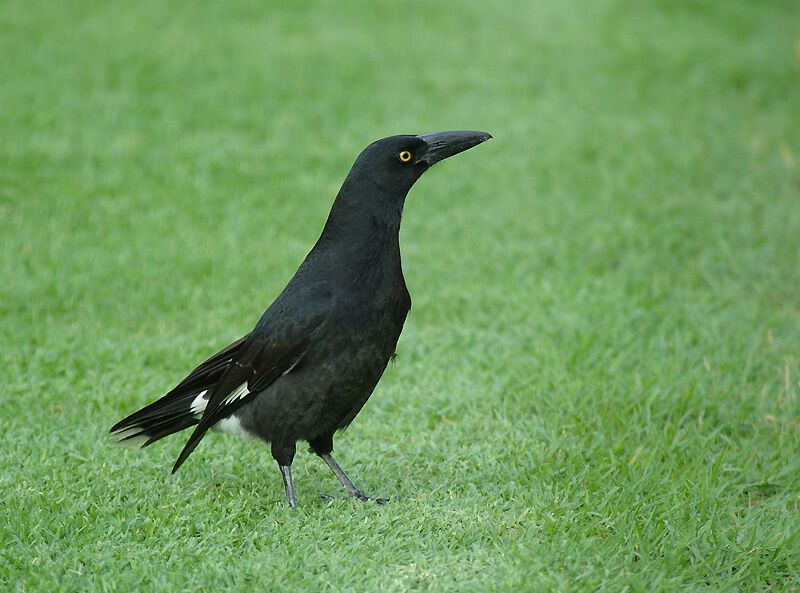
x=442 y=145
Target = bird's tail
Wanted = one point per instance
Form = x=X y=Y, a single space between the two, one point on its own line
x=159 y=419
x=180 y=408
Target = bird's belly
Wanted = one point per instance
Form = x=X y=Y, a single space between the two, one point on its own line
x=232 y=425
x=324 y=392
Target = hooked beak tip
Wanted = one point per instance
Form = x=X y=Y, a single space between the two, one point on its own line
x=442 y=145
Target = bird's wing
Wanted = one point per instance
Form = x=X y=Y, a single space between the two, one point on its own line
x=275 y=347
x=211 y=369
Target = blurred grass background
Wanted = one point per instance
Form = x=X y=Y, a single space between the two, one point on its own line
x=597 y=387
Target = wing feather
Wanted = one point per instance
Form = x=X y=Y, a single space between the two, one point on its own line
x=275 y=347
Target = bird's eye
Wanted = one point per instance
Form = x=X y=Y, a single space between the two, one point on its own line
x=404 y=156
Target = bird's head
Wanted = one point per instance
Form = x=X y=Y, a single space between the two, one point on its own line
x=396 y=162
x=373 y=194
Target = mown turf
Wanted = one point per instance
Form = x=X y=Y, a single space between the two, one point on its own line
x=597 y=387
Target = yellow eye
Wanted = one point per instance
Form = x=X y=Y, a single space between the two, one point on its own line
x=404 y=156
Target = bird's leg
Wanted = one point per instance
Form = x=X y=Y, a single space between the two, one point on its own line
x=323 y=446
x=349 y=487
x=286 y=472
x=284 y=454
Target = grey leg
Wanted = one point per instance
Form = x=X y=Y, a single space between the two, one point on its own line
x=286 y=472
x=348 y=485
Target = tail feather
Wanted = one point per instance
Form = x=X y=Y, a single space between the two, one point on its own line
x=167 y=430
x=161 y=410
x=159 y=419
x=190 y=446
x=180 y=408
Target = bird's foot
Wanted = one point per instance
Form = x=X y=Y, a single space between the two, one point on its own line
x=357 y=495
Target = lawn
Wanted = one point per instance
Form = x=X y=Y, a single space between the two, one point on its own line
x=598 y=385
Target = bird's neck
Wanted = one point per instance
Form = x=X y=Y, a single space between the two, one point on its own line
x=365 y=218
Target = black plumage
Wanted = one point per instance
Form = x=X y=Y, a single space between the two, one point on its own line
x=316 y=354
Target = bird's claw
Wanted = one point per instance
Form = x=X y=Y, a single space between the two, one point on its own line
x=364 y=498
x=358 y=496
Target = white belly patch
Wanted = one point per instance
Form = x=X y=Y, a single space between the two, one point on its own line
x=232 y=425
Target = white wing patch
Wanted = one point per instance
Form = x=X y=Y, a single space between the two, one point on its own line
x=199 y=404
x=237 y=393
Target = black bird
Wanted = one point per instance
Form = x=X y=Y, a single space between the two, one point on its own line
x=316 y=354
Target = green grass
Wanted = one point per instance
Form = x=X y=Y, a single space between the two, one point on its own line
x=597 y=387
